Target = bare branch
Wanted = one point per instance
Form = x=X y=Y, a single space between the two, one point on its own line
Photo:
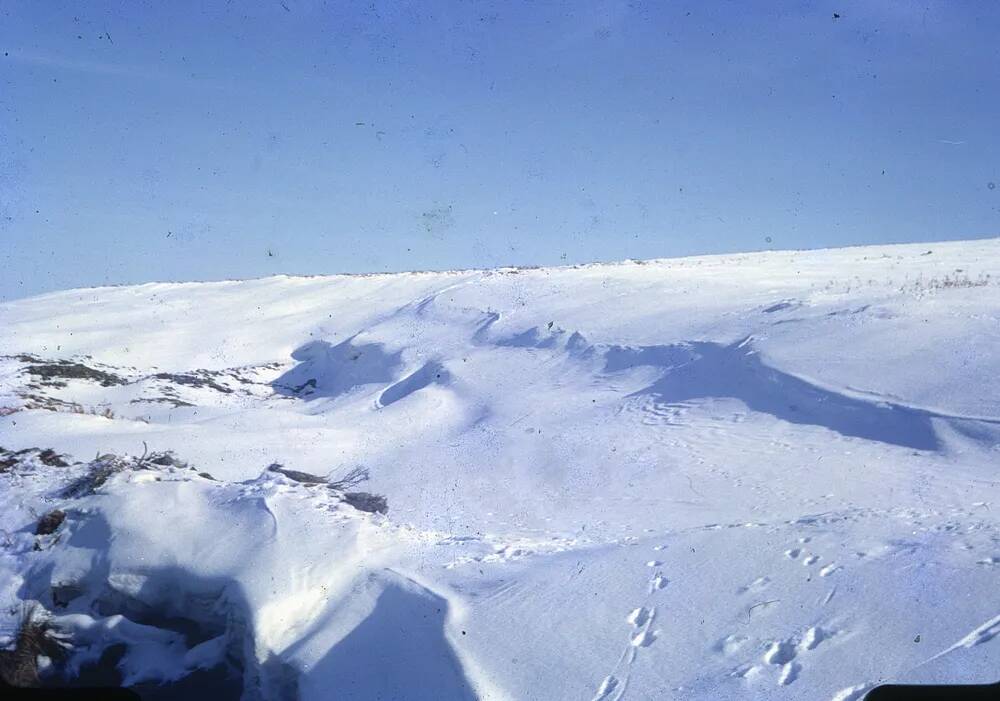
x=353 y=478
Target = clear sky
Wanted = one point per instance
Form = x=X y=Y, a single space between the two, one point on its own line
x=206 y=140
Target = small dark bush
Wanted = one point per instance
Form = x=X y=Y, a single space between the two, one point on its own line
x=51 y=521
x=35 y=636
x=9 y=459
x=100 y=470
x=366 y=501
x=303 y=477
x=164 y=459
x=52 y=458
x=27 y=358
x=55 y=373
x=192 y=380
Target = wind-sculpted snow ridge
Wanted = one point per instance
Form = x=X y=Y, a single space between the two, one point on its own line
x=759 y=476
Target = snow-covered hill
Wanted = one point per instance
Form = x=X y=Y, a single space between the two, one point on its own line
x=770 y=475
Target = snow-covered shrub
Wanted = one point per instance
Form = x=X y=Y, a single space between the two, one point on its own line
x=362 y=501
x=99 y=471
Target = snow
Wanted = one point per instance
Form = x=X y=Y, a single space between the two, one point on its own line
x=766 y=475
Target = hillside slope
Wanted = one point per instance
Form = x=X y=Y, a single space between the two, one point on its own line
x=766 y=475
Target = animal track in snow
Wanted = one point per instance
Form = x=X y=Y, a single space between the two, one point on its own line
x=789 y=673
x=852 y=693
x=657 y=582
x=641 y=619
x=608 y=686
x=780 y=652
x=757 y=585
x=639 y=616
x=731 y=644
x=786 y=654
x=808 y=558
x=505 y=551
x=983 y=634
x=643 y=638
x=813 y=637
x=746 y=671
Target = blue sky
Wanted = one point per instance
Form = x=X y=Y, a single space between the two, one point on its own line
x=188 y=140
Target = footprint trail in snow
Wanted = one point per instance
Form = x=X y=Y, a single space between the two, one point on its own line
x=642 y=635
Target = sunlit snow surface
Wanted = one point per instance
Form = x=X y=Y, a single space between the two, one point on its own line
x=771 y=475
